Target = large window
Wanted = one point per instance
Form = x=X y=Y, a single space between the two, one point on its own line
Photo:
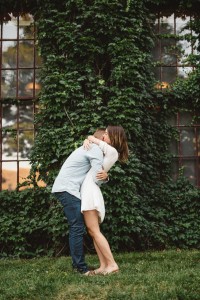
x=186 y=148
x=176 y=42
x=19 y=70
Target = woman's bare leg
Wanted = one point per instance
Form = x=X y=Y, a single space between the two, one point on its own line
x=92 y=223
x=102 y=261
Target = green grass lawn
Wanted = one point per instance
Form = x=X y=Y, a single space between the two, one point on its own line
x=146 y=275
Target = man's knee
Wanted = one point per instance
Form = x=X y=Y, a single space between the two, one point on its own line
x=77 y=229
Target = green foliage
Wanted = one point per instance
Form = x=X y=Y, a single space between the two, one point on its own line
x=173 y=215
x=97 y=70
x=31 y=224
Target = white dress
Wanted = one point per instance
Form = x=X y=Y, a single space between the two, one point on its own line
x=91 y=196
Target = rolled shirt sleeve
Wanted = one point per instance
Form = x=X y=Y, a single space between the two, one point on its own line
x=95 y=156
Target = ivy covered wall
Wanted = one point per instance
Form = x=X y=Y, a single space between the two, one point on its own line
x=98 y=70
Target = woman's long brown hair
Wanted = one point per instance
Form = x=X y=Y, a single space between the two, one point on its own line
x=118 y=140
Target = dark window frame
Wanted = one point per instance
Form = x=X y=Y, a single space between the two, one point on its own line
x=18 y=100
x=180 y=159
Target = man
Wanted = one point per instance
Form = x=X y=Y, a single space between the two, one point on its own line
x=66 y=188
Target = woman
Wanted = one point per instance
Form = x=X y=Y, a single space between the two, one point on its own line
x=114 y=147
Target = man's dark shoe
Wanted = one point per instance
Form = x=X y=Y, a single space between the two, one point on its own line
x=92 y=268
x=88 y=273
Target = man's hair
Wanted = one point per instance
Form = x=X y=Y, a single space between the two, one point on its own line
x=99 y=133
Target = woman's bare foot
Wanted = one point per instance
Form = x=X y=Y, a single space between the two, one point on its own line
x=111 y=272
x=111 y=269
x=99 y=271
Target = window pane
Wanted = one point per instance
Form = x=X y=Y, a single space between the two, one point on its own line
x=8 y=84
x=9 y=175
x=26 y=115
x=9 y=54
x=26 y=54
x=167 y=25
x=185 y=50
x=26 y=28
x=9 y=118
x=185 y=118
x=188 y=145
x=168 y=51
x=25 y=144
x=9 y=146
x=10 y=29
x=182 y=72
x=180 y=25
x=24 y=170
x=189 y=170
x=25 y=77
x=168 y=74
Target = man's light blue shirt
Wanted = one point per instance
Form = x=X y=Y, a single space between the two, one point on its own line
x=75 y=168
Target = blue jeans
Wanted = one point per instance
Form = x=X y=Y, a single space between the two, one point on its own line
x=72 y=210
